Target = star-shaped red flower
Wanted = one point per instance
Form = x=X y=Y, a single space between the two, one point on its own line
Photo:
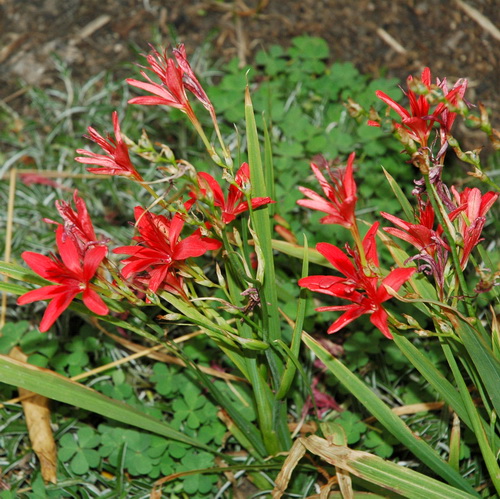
x=160 y=247
x=235 y=202
x=358 y=284
x=72 y=275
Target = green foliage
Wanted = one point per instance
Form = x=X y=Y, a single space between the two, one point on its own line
x=78 y=451
x=352 y=425
x=302 y=98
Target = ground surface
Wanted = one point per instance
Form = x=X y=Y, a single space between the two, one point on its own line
x=398 y=36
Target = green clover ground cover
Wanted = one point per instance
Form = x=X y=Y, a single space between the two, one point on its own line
x=303 y=99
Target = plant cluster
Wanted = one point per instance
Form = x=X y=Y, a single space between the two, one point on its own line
x=203 y=254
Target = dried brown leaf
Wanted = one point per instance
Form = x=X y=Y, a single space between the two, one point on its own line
x=37 y=414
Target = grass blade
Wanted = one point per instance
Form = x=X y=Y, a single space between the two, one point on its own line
x=384 y=473
x=57 y=387
x=387 y=418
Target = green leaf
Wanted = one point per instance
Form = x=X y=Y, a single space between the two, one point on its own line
x=54 y=386
x=400 y=195
x=433 y=376
x=376 y=470
x=352 y=425
x=484 y=360
x=309 y=47
x=380 y=446
x=386 y=417
x=297 y=251
x=11 y=335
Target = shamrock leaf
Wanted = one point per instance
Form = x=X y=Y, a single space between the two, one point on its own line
x=380 y=444
x=79 y=450
x=353 y=426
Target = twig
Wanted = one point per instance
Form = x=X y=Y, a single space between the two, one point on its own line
x=483 y=21
x=91 y=27
x=393 y=43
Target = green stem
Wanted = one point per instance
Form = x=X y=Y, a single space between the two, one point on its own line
x=444 y=221
x=261 y=391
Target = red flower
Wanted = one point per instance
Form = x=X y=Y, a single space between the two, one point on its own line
x=116 y=161
x=421 y=235
x=72 y=275
x=419 y=120
x=190 y=80
x=359 y=285
x=475 y=206
x=453 y=96
x=235 y=203
x=77 y=224
x=160 y=248
x=171 y=91
x=341 y=196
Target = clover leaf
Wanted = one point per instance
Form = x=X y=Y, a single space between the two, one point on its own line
x=380 y=444
x=199 y=482
x=78 y=449
x=188 y=408
x=353 y=426
x=11 y=335
x=164 y=379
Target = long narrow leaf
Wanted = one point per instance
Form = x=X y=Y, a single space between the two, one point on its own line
x=387 y=418
x=376 y=470
x=297 y=251
x=261 y=220
x=479 y=427
x=433 y=376
x=57 y=387
x=291 y=368
x=484 y=360
x=400 y=195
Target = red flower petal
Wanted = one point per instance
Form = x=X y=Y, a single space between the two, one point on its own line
x=94 y=302
x=56 y=307
x=337 y=258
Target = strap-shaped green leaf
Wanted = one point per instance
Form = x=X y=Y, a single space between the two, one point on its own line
x=387 y=418
x=57 y=387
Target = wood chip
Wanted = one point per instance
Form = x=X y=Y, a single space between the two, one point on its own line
x=483 y=21
x=91 y=28
x=392 y=42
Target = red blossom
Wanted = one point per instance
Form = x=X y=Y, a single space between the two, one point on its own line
x=475 y=206
x=172 y=89
x=160 y=248
x=422 y=236
x=235 y=202
x=341 y=197
x=71 y=272
x=419 y=120
x=116 y=161
x=190 y=80
x=359 y=284
x=453 y=96
x=77 y=224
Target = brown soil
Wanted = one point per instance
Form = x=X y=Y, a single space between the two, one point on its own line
x=400 y=37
